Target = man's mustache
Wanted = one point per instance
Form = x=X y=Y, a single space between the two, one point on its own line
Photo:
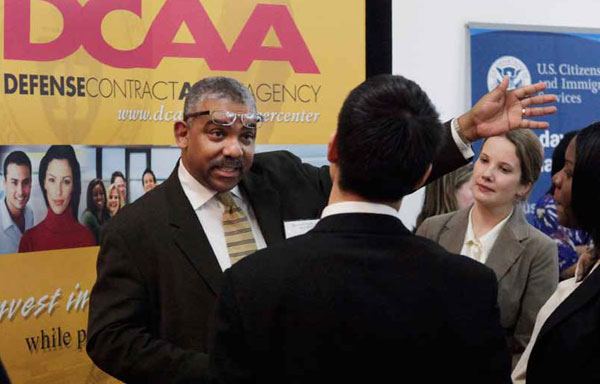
x=227 y=162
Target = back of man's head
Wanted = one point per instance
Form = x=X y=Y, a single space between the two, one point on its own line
x=218 y=88
x=388 y=135
x=18 y=158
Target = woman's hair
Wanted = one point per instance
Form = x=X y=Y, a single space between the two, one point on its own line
x=586 y=181
x=62 y=152
x=440 y=195
x=558 y=156
x=108 y=192
x=530 y=153
x=91 y=206
x=148 y=170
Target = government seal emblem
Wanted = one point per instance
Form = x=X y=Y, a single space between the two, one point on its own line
x=508 y=66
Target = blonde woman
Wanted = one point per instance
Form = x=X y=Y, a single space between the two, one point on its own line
x=115 y=200
x=495 y=232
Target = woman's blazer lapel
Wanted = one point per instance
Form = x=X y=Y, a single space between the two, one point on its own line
x=509 y=245
x=452 y=235
x=507 y=248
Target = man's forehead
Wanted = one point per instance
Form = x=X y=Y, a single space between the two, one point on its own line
x=15 y=170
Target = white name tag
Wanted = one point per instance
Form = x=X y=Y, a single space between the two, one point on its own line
x=298 y=227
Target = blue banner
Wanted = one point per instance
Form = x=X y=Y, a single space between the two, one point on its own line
x=569 y=63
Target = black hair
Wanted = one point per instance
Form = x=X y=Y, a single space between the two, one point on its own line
x=388 y=135
x=148 y=170
x=585 y=187
x=558 y=156
x=116 y=174
x=62 y=152
x=18 y=158
x=90 y=200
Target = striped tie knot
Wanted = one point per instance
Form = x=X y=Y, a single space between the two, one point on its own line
x=226 y=198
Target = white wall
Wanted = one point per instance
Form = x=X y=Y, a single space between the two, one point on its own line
x=430 y=46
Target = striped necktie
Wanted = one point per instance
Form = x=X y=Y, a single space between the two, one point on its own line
x=238 y=233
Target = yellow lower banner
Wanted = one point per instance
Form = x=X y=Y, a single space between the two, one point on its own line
x=43 y=316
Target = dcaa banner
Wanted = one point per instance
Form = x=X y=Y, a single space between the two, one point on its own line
x=115 y=72
x=107 y=79
x=567 y=60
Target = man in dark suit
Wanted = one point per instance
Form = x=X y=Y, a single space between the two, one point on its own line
x=162 y=257
x=360 y=299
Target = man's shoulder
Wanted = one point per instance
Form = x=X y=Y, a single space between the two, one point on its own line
x=457 y=275
x=273 y=155
x=152 y=207
x=433 y=259
x=274 y=161
x=451 y=264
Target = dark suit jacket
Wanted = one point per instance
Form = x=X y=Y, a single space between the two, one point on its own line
x=359 y=299
x=567 y=349
x=158 y=277
x=525 y=262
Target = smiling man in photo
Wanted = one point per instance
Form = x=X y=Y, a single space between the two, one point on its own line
x=15 y=216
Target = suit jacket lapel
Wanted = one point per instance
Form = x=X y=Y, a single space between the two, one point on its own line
x=188 y=234
x=453 y=234
x=508 y=247
x=589 y=289
x=266 y=205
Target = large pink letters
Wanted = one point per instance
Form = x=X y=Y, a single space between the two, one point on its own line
x=82 y=27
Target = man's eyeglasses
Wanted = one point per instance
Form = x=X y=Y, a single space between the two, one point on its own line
x=227 y=118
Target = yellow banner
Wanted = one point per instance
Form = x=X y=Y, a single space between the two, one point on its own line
x=105 y=72
x=112 y=75
x=44 y=298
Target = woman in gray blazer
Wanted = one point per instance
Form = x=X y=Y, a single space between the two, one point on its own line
x=494 y=231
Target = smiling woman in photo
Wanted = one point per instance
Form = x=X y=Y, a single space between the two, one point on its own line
x=60 y=180
x=115 y=201
x=96 y=213
x=494 y=231
x=148 y=180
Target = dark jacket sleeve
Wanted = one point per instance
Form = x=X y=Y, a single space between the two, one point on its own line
x=120 y=340
x=449 y=157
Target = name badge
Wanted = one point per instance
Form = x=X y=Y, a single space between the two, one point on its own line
x=298 y=227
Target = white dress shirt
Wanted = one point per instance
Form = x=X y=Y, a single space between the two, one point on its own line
x=463 y=147
x=10 y=234
x=479 y=249
x=210 y=214
x=358 y=207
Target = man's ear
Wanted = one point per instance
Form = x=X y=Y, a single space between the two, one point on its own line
x=181 y=131
x=424 y=178
x=332 y=151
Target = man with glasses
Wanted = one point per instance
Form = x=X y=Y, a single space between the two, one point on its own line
x=161 y=259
